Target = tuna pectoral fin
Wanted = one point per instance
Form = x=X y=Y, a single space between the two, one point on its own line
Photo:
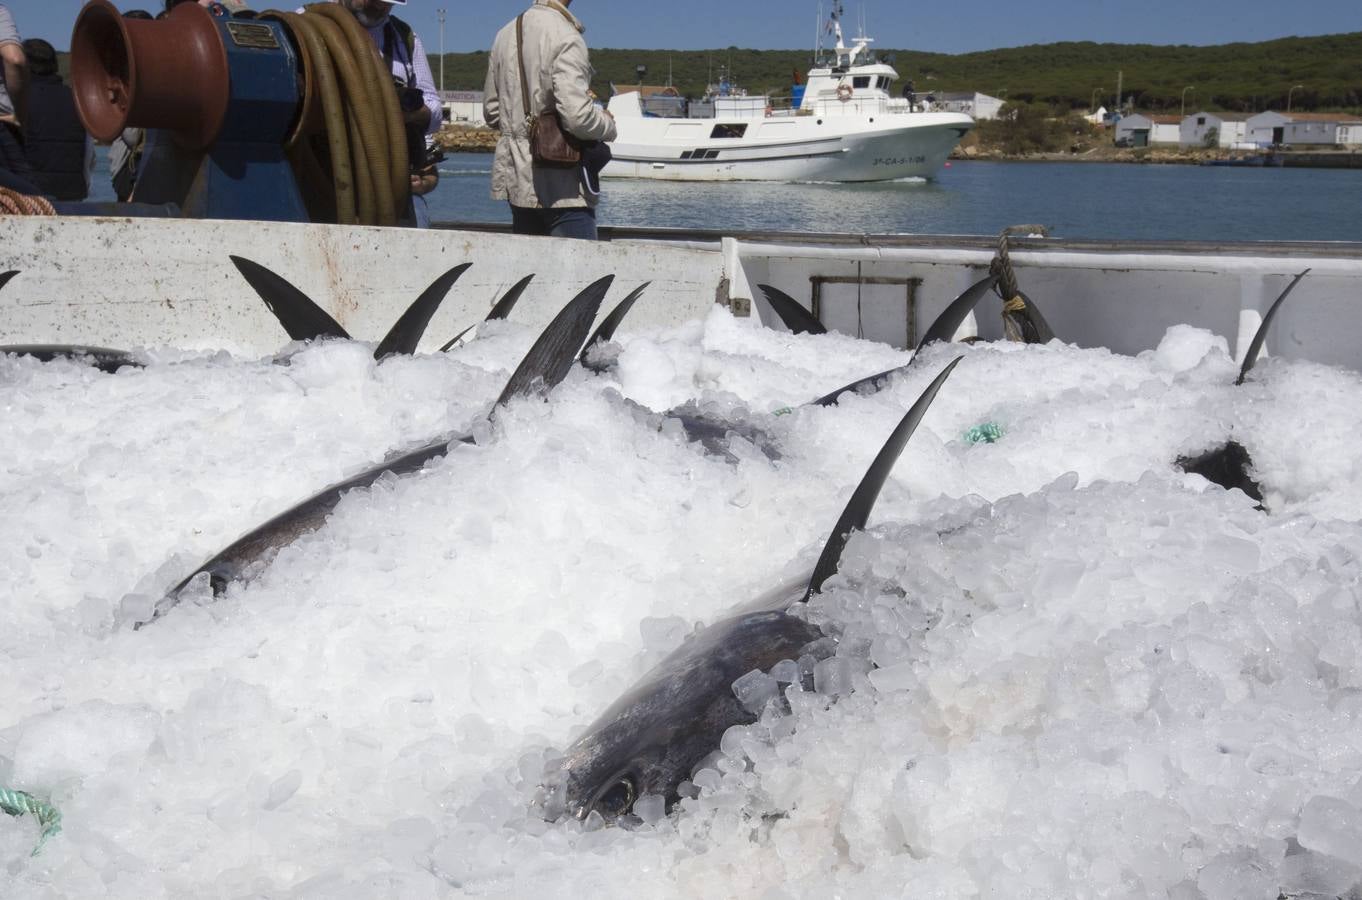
x=6 y=276
x=551 y=357
x=857 y=511
x=796 y=318
x=406 y=332
x=1256 y=345
x=455 y=339
x=606 y=331
x=301 y=318
x=500 y=310
x=943 y=328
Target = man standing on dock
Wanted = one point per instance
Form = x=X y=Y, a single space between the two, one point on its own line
x=547 y=201
x=18 y=174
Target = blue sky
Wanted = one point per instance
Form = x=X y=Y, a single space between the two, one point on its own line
x=790 y=24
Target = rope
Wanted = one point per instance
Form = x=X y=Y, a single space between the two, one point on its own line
x=985 y=433
x=14 y=203
x=16 y=803
x=1001 y=264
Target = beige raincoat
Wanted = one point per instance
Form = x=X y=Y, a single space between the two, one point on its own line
x=557 y=67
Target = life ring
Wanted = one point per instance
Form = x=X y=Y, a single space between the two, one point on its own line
x=844 y=92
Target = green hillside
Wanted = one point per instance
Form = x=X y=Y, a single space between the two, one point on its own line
x=1235 y=77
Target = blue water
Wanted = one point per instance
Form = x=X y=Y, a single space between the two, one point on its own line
x=1076 y=200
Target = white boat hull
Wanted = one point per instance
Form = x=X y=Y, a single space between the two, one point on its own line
x=788 y=148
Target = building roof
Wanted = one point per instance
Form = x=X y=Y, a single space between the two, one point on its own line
x=1350 y=118
x=1222 y=116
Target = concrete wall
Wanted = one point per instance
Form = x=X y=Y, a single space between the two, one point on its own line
x=130 y=283
x=1124 y=301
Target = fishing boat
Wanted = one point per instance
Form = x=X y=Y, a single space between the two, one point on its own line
x=845 y=125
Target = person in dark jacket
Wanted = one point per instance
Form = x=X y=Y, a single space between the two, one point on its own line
x=54 y=139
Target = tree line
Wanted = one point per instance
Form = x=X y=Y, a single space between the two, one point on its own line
x=1243 y=77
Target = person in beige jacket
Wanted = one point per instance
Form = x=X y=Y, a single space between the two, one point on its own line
x=543 y=200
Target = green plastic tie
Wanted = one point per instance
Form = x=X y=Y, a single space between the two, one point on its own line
x=987 y=433
x=783 y=411
x=16 y=803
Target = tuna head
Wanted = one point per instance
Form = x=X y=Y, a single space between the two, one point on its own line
x=653 y=737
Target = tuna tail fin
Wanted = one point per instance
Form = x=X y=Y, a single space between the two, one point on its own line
x=303 y=319
x=868 y=491
x=500 y=310
x=407 y=331
x=1256 y=345
x=943 y=328
x=606 y=331
x=1023 y=322
x=551 y=357
x=6 y=276
x=796 y=318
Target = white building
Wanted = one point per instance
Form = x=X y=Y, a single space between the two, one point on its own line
x=1139 y=130
x=971 y=103
x=1265 y=128
x=1322 y=129
x=1229 y=128
x=463 y=107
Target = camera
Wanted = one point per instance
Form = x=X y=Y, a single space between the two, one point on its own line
x=410 y=99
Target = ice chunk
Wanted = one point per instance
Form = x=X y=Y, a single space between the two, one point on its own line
x=1240 y=875
x=1333 y=827
x=754 y=690
x=651 y=808
x=283 y=788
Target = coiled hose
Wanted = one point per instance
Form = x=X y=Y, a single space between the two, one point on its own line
x=361 y=131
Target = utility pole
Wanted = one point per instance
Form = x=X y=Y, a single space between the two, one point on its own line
x=1119 y=83
x=1184 y=99
x=441 y=14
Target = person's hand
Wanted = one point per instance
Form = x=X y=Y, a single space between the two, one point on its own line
x=424 y=182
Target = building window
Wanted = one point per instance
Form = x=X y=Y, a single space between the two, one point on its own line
x=1201 y=120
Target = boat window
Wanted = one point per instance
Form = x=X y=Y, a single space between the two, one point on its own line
x=711 y=154
x=728 y=131
x=883 y=83
x=860 y=81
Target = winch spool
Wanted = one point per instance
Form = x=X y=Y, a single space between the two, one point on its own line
x=257 y=109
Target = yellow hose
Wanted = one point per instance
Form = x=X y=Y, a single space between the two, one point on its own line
x=363 y=126
x=333 y=113
x=388 y=152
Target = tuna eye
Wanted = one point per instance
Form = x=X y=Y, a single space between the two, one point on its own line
x=618 y=799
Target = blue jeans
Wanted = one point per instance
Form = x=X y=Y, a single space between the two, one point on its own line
x=570 y=222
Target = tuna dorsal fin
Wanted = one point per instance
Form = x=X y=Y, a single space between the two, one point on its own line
x=943 y=328
x=6 y=276
x=551 y=357
x=500 y=310
x=303 y=319
x=1256 y=345
x=503 y=307
x=945 y=325
x=796 y=318
x=868 y=491
x=606 y=331
x=407 y=331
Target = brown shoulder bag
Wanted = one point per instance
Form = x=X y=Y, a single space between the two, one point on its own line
x=550 y=145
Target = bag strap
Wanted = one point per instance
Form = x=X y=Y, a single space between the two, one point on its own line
x=520 y=54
